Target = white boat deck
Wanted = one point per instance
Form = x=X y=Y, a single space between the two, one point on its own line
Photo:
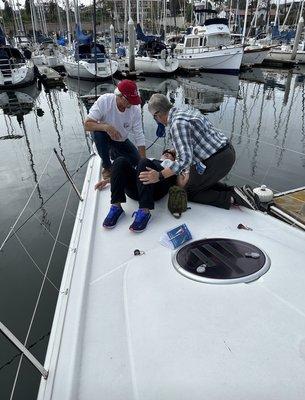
x=132 y=327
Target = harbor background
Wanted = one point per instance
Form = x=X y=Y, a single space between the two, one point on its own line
x=261 y=111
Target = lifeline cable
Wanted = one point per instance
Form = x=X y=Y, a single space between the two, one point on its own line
x=49 y=198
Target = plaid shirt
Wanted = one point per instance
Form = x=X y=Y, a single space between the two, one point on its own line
x=194 y=138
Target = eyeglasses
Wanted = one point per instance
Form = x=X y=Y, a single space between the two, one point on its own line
x=155 y=114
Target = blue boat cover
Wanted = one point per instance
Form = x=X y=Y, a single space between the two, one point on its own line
x=80 y=37
x=284 y=36
x=147 y=38
x=2 y=36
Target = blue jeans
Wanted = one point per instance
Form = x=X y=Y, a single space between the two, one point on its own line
x=106 y=146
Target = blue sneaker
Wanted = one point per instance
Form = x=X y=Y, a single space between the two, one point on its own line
x=113 y=216
x=141 y=220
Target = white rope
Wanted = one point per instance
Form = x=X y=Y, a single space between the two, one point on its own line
x=38 y=299
x=41 y=288
x=25 y=206
x=49 y=232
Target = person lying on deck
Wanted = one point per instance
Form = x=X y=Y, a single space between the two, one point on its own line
x=125 y=180
x=203 y=150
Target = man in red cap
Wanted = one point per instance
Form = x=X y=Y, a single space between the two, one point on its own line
x=111 y=119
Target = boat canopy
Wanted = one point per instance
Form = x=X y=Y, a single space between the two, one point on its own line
x=151 y=48
x=7 y=52
x=148 y=38
x=213 y=21
x=88 y=51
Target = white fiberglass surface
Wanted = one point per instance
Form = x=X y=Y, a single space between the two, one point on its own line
x=147 y=332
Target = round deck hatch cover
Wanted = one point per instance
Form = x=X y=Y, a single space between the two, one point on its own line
x=222 y=261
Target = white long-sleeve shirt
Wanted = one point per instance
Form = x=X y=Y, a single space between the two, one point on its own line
x=128 y=122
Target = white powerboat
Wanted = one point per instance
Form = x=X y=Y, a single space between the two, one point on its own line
x=208 y=46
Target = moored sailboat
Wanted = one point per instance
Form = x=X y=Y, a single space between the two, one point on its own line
x=15 y=70
x=84 y=63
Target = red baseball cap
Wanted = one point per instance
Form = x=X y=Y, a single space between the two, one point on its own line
x=130 y=91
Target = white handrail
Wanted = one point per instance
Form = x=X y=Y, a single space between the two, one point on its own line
x=24 y=350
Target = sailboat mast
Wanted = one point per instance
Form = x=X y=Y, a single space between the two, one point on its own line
x=245 y=22
x=277 y=12
x=32 y=11
x=164 y=18
x=59 y=19
x=230 y=13
x=301 y=12
x=68 y=24
x=138 y=11
x=95 y=48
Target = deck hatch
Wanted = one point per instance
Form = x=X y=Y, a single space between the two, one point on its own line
x=221 y=261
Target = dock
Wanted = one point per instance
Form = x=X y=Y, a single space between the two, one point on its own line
x=290 y=206
x=48 y=75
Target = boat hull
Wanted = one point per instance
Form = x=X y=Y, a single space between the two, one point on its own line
x=225 y=59
x=284 y=56
x=85 y=70
x=149 y=65
x=22 y=75
x=50 y=61
x=254 y=56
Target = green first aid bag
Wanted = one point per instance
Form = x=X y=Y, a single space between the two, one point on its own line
x=177 y=201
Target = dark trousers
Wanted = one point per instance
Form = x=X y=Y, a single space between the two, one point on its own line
x=124 y=180
x=206 y=188
x=106 y=146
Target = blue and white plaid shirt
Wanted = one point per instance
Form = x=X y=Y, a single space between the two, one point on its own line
x=194 y=138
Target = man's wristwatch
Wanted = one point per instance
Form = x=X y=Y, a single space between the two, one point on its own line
x=161 y=176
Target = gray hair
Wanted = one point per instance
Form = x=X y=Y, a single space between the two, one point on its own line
x=158 y=103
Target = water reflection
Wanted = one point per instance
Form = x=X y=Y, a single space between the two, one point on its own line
x=56 y=114
x=258 y=110
x=88 y=88
x=17 y=104
x=150 y=85
x=207 y=92
x=44 y=214
x=262 y=113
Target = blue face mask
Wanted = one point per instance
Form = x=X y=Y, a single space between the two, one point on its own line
x=160 y=132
